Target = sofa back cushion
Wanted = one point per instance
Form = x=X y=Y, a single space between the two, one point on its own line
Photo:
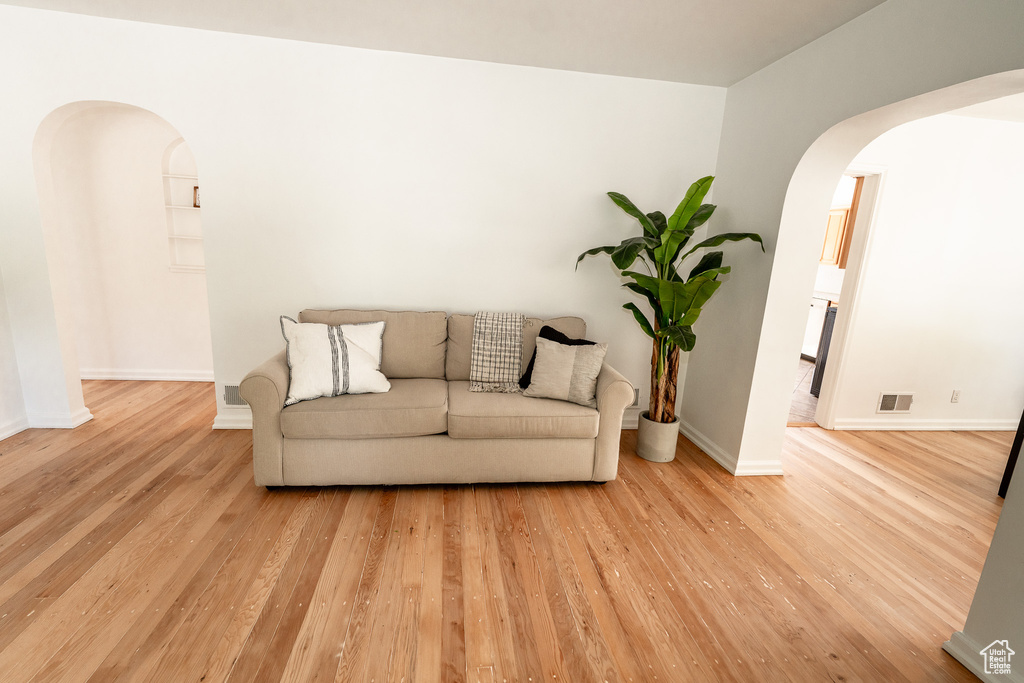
x=460 y=340
x=414 y=342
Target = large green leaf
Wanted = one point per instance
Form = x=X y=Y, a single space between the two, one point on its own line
x=658 y=219
x=671 y=244
x=690 y=317
x=651 y=298
x=678 y=298
x=727 y=237
x=676 y=240
x=595 y=250
x=680 y=335
x=703 y=287
x=690 y=204
x=646 y=282
x=700 y=217
x=623 y=202
x=713 y=273
x=712 y=259
x=675 y=300
x=641 y=319
x=625 y=254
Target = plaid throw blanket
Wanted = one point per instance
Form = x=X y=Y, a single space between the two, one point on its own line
x=496 y=357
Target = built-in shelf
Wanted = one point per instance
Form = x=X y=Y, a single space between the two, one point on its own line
x=184 y=229
x=187 y=269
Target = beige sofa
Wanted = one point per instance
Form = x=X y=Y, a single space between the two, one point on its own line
x=429 y=428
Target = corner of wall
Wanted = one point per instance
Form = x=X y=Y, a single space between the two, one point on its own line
x=966 y=651
x=233 y=418
x=13 y=426
x=709 y=447
x=729 y=462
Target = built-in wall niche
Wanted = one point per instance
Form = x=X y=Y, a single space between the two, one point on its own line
x=181 y=204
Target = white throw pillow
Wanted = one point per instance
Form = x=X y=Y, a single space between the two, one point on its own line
x=327 y=360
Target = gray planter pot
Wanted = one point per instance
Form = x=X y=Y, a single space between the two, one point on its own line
x=656 y=441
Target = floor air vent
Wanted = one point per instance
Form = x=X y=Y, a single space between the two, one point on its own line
x=231 y=396
x=895 y=403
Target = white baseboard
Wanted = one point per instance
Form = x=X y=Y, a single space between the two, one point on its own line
x=762 y=468
x=147 y=375
x=631 y=418
x=80 y=417
x=901 y=424
x=12 y=427
x=233 y=419
x=58 y=421
x=717 y=453
x=727 y=460
x=966 y=651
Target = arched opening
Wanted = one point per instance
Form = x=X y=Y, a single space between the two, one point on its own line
x=125 y=308
x=918 y=328
x=801 y=233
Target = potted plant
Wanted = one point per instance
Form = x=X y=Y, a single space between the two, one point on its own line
x=676 y=302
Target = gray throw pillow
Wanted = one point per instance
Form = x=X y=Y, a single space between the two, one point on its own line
x=567 y=373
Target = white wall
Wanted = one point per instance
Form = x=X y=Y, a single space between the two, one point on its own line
x=789 y=132
x=999 y=599
x=939 y=297
x=12 y=403
x=345 y=177
x=133 y=317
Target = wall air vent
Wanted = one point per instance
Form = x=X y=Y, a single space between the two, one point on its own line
x=231 y=396
x=894 y=403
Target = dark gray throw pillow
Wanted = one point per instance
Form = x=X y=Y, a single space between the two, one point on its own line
x=548 y=332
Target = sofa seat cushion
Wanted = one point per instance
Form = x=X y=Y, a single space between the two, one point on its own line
x=474 y=415
x=413 y=407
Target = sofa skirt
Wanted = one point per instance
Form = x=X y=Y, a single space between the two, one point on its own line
x=437 y=459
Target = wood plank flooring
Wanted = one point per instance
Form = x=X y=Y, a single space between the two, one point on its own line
x=803 y=404
x=137 y=548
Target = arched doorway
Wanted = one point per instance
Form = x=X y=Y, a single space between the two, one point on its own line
x=112 y=210
x=792 y=272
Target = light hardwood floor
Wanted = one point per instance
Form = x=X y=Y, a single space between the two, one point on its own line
x=137 y=548
x=803 y=404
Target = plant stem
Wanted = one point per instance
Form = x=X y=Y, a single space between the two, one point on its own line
x=664 y=379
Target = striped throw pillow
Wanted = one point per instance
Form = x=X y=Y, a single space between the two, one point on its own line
x=331 y=360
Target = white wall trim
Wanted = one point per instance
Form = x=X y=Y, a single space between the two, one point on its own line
x=727 y=461
x=233 y=418
x=148 y=375
x=968 y=653
x=710 y=448
x=55 y=421
x=927 y=424
x=80 y=417
x=13 y=427
x=762 y=468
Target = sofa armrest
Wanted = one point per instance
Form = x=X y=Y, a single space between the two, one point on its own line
x=265 y=390
x=614 y=395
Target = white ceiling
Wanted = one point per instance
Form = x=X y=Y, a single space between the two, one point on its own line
x=715 y=42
